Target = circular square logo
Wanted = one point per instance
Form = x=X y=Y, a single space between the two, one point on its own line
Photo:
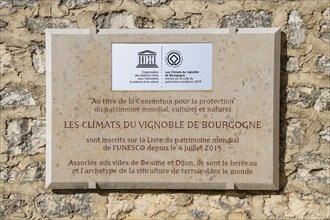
x=174 y=58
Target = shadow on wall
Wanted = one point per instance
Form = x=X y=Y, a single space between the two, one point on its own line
x=283 y=109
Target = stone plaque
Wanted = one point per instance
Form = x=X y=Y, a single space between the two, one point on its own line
x=163 y=109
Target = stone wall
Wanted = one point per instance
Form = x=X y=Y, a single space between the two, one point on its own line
x=305 y=108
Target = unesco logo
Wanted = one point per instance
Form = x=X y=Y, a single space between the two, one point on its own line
x=147 y=59
x=174 y=58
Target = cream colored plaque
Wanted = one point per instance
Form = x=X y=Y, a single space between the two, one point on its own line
x=222 y=136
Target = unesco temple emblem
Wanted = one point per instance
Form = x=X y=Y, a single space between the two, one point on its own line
x=147 y=59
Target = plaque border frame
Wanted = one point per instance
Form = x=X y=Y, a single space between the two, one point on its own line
x=50 y=184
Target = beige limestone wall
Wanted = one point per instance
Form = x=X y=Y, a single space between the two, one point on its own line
x=305 y=108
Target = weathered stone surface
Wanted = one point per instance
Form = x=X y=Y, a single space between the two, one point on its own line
x=183 y=199
x=51 y=9
x=6 y=60
x=115 y=21
x=292 y=64
x=18 y=3
x=190 y=8
x=197 y=214
x=195 y=21
x=177 y=23
x=25 y=137
x=118 y=208
x=133 y=7
x=9 y=204
x=38 y=57
x=217 y=1
x=316 y=205
x=143 y=23
x=325 y=134
x=195 y=206
x=210 y=20
x=57 y=205
x=295 y=30
x=148 y=205
x=322 y=102
x=323 y=65
x=303 y=97
x=161 y=13
x=154 y=2
x=3 y=24
x=10 y=175
x=14 y=60
x=275 y=206
x=306 y=97
x=230 y=204
x=247 y=19
x=200 y=207
x=325 y=26
x=257 y=212
x=32 y=172
x=15 y=96
x=4 y=174
x=296 y=206
x=39 y=25
x=85 y=19
x=313 y=170
x=76 y=3
x=295 y=132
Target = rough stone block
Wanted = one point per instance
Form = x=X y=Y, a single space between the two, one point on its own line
x=303 y=97
x=2 y=24
x=177 y=23
x=39 y=25
x=323 y=65
x=295 y=132
x=247 y=19
x=76 y=3
x=292 y=64
x=9 y=204
x=322 y=102
x=115 y=21
x=275 y=206
x=38 y=57
x=312 y=170
x=25 y=137
x=57 y=205
x=315 y=205
x=16 y=96
x=325 y=26
x=230 y=204
x=217 y=1
x=7 y=63
x=161 y=13
x=33 y=172
x=144 y=23
x=118 y=208
x=325 y=134
x=16 y=4
x=297 y=206
x=295 y=29
x=154 y=2
x=85 y=19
